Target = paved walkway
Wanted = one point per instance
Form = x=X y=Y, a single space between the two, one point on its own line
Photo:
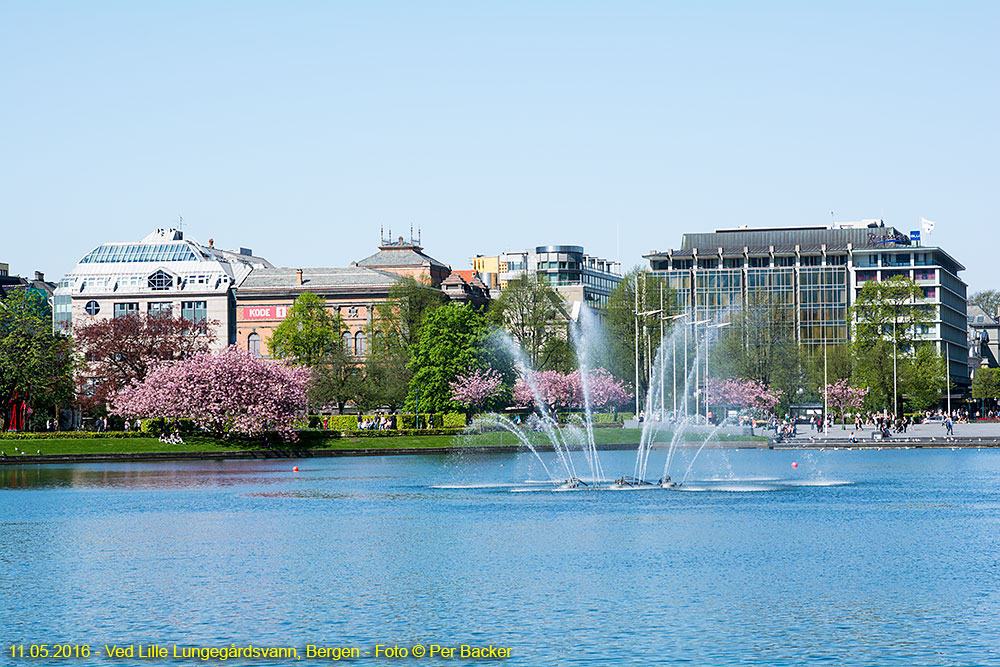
x=916 y=431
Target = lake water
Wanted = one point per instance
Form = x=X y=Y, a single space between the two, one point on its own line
x=852 y=558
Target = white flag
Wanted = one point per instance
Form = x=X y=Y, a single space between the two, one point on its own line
x=927 y=225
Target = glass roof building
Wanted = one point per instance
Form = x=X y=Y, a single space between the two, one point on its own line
x=817 y=272
x=162 y=273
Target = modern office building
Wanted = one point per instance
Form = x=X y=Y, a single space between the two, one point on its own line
x=163 y=272
x=817 y=272
x=576 y=275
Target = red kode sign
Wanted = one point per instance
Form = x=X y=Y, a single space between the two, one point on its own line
x=264 y=312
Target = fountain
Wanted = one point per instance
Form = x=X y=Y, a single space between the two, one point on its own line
x=567 y=440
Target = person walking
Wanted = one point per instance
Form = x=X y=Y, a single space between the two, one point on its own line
x=948 y=426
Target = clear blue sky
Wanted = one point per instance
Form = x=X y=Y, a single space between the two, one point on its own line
x=298 y=128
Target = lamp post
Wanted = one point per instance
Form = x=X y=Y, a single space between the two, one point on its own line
x=711 y=326
x=895 y=407
x=947 y=375
x=644 y=313
x=673 y=359
x=697 y=393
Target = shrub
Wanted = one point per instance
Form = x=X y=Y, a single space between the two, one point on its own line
x=453 y=420
x=73 y=435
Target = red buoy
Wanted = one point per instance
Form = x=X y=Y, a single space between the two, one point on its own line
x=295 y=469
x=795 y=464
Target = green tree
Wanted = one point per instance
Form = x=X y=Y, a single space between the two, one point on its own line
x=309 y=335
x=36 y=365
x=986 y=383
x=452 y=340
x=398 y=319
x=887 y=317
x=620 y=321
x=988 y=300
x=386 y=379
x=922 y=378
x=336 y=380
x=535 y=316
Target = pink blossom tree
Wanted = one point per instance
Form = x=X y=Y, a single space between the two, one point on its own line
x=566 y=391
x=228 y=391
x=475 y=387
x=844 y=397
x=605 y=391
x=751 y=394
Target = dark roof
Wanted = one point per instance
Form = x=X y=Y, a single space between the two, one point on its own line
x=340 y=278
x=403 y=256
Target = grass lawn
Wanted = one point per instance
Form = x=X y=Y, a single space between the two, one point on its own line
x=70 y=445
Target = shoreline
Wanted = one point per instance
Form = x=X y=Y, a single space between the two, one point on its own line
x=276 y=454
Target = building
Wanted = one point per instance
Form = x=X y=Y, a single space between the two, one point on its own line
x=164 y=272
x=406 y=258
x=984 y=339
x=466 y=287
x=264 y=296
x=576 y=275
x=817 y=272
x=39 y=285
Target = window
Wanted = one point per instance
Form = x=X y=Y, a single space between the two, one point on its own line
x=348 y=342
x=194 y=310
x=759 y=262
x=92 y=307
x=159 y=308
x=929 y=291
x=359 y=344
x=253 y=344
x=130 y=308
x=160 y=280
x=784 y=261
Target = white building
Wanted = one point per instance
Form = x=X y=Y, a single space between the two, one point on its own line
x=161 y=273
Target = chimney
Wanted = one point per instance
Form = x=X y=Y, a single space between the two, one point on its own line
x=298 y=276
x=39 y=276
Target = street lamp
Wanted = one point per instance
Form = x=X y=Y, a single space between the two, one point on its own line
x=673 y=360
x=711 y=326
x=697 y=394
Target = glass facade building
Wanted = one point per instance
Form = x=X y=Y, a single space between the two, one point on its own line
x=576 y=275
x=816 y=273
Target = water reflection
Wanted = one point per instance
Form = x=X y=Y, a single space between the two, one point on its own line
x=895 y=567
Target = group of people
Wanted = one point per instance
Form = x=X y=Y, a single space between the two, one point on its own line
x=171 y=439
x=383 y=423
x=101 y=425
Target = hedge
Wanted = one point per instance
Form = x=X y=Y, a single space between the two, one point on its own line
x=349 y=423
x=63 y=435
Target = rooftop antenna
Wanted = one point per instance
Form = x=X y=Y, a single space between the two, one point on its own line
x=418 y=236
x=381 y=234
x=411 y=233
x=180 y=223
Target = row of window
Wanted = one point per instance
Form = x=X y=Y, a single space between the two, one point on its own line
x=191 y=310
x=137 y=252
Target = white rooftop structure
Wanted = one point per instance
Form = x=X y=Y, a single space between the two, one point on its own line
x=164 y=272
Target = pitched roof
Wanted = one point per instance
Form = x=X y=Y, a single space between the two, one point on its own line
x=404 y=256
x=346 y=278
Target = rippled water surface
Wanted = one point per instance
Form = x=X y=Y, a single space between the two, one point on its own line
x=852 y=558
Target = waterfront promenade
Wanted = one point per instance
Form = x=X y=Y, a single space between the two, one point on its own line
x=985 y=434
